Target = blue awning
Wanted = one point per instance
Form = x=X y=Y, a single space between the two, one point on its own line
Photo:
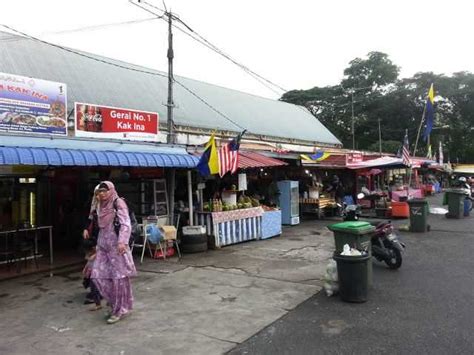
x=35 y=154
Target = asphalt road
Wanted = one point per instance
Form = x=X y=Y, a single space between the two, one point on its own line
x=426 y=307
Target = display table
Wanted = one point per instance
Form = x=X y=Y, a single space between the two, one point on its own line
x=232 y=227
x=313 y=205
x=271 y=224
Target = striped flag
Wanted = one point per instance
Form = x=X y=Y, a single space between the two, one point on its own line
x=229 y=156
x=406 y=151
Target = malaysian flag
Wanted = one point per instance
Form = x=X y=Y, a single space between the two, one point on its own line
x=406 y=151
x=229 y=156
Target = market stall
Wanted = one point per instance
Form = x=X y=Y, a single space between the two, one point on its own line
x=230 y=227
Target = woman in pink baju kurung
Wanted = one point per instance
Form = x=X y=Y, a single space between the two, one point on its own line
x=114 y=265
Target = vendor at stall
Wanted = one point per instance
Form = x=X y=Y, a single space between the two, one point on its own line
x=337 y=188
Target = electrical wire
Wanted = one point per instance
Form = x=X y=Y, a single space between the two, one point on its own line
x=200 y=39
x=124 y=67
x=97 y=27
x=209 y=105
x=81 y=53
x=82 y=29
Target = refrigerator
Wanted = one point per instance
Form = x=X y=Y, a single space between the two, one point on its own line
x=289 y=202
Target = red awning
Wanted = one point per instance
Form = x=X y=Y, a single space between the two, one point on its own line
x=249 y=160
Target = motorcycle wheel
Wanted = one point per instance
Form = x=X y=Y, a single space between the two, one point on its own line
x=395 y=260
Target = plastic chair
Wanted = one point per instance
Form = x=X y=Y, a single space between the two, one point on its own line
x=171 y=238
x=144 y=243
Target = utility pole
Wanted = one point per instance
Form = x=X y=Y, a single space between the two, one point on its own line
x=352 y=124
x=170 y=105
x=171 y=135
x=380 y=139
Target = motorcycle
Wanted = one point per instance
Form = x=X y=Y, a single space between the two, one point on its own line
x=386 y=246
x=351 y=212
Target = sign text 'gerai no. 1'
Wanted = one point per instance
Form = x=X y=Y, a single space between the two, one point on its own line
x=111 y=122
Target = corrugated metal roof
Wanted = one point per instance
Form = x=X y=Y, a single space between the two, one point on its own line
x=248 y=160
x=74 y=152
x=255 y=160
x=94 y=82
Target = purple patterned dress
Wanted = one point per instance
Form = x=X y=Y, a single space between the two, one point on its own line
x=112 y=271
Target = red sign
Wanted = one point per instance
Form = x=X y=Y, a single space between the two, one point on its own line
x=111 y=122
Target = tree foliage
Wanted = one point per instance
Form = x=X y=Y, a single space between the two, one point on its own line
x=371 y=90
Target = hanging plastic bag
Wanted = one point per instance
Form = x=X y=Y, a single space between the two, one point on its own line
x=331 y=284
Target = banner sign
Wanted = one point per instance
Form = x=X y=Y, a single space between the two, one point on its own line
x=111 y=122
x=29 y=105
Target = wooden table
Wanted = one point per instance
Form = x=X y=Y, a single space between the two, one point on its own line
x=316 y=205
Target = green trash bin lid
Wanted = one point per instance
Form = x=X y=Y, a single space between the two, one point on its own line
x=353 y=227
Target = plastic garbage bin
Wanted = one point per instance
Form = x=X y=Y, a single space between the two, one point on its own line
x=418 y=215
x=358 y=235
x=455 y=203
x=352 y=273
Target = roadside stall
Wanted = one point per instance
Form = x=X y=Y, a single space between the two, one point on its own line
x=382 y=183
x=241 y=207
x=316 y=179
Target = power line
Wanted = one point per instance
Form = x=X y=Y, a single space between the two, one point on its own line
x=81 y=54
x=197 y=37
x=97 y=27
x=209 y=105
x=123 y=67
x=82 y=29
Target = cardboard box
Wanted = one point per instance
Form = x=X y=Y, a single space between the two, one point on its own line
x=169 y=232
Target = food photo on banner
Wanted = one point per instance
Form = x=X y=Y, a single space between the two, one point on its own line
x=112 y=122
x=32 y=105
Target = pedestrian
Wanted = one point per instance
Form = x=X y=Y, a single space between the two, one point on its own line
x=91 y=229
x=94 y=294
x=114 y=265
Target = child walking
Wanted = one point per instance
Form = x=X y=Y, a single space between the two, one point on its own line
x=94 y=294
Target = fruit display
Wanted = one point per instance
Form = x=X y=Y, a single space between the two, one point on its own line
x=217 y=205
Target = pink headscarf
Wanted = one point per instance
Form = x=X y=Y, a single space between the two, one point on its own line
x=106 y=210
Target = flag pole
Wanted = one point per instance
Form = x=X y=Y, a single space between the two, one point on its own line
x=419 y=130
x=414 y=150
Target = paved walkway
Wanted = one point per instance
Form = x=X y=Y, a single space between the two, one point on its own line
x=204 y=304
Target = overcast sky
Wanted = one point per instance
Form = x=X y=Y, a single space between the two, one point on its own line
x=297 y=44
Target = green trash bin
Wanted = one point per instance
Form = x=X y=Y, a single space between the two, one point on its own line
x=418 y=215
x=455 y=199
x=358 y=235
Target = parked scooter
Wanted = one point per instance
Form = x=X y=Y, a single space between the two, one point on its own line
x=386 y=246
x=351 y=212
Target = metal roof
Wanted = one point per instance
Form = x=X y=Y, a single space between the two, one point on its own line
x=249 y=160
x=16 y=150
x=94 y=82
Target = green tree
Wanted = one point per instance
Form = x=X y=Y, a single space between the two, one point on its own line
x=372 y=87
